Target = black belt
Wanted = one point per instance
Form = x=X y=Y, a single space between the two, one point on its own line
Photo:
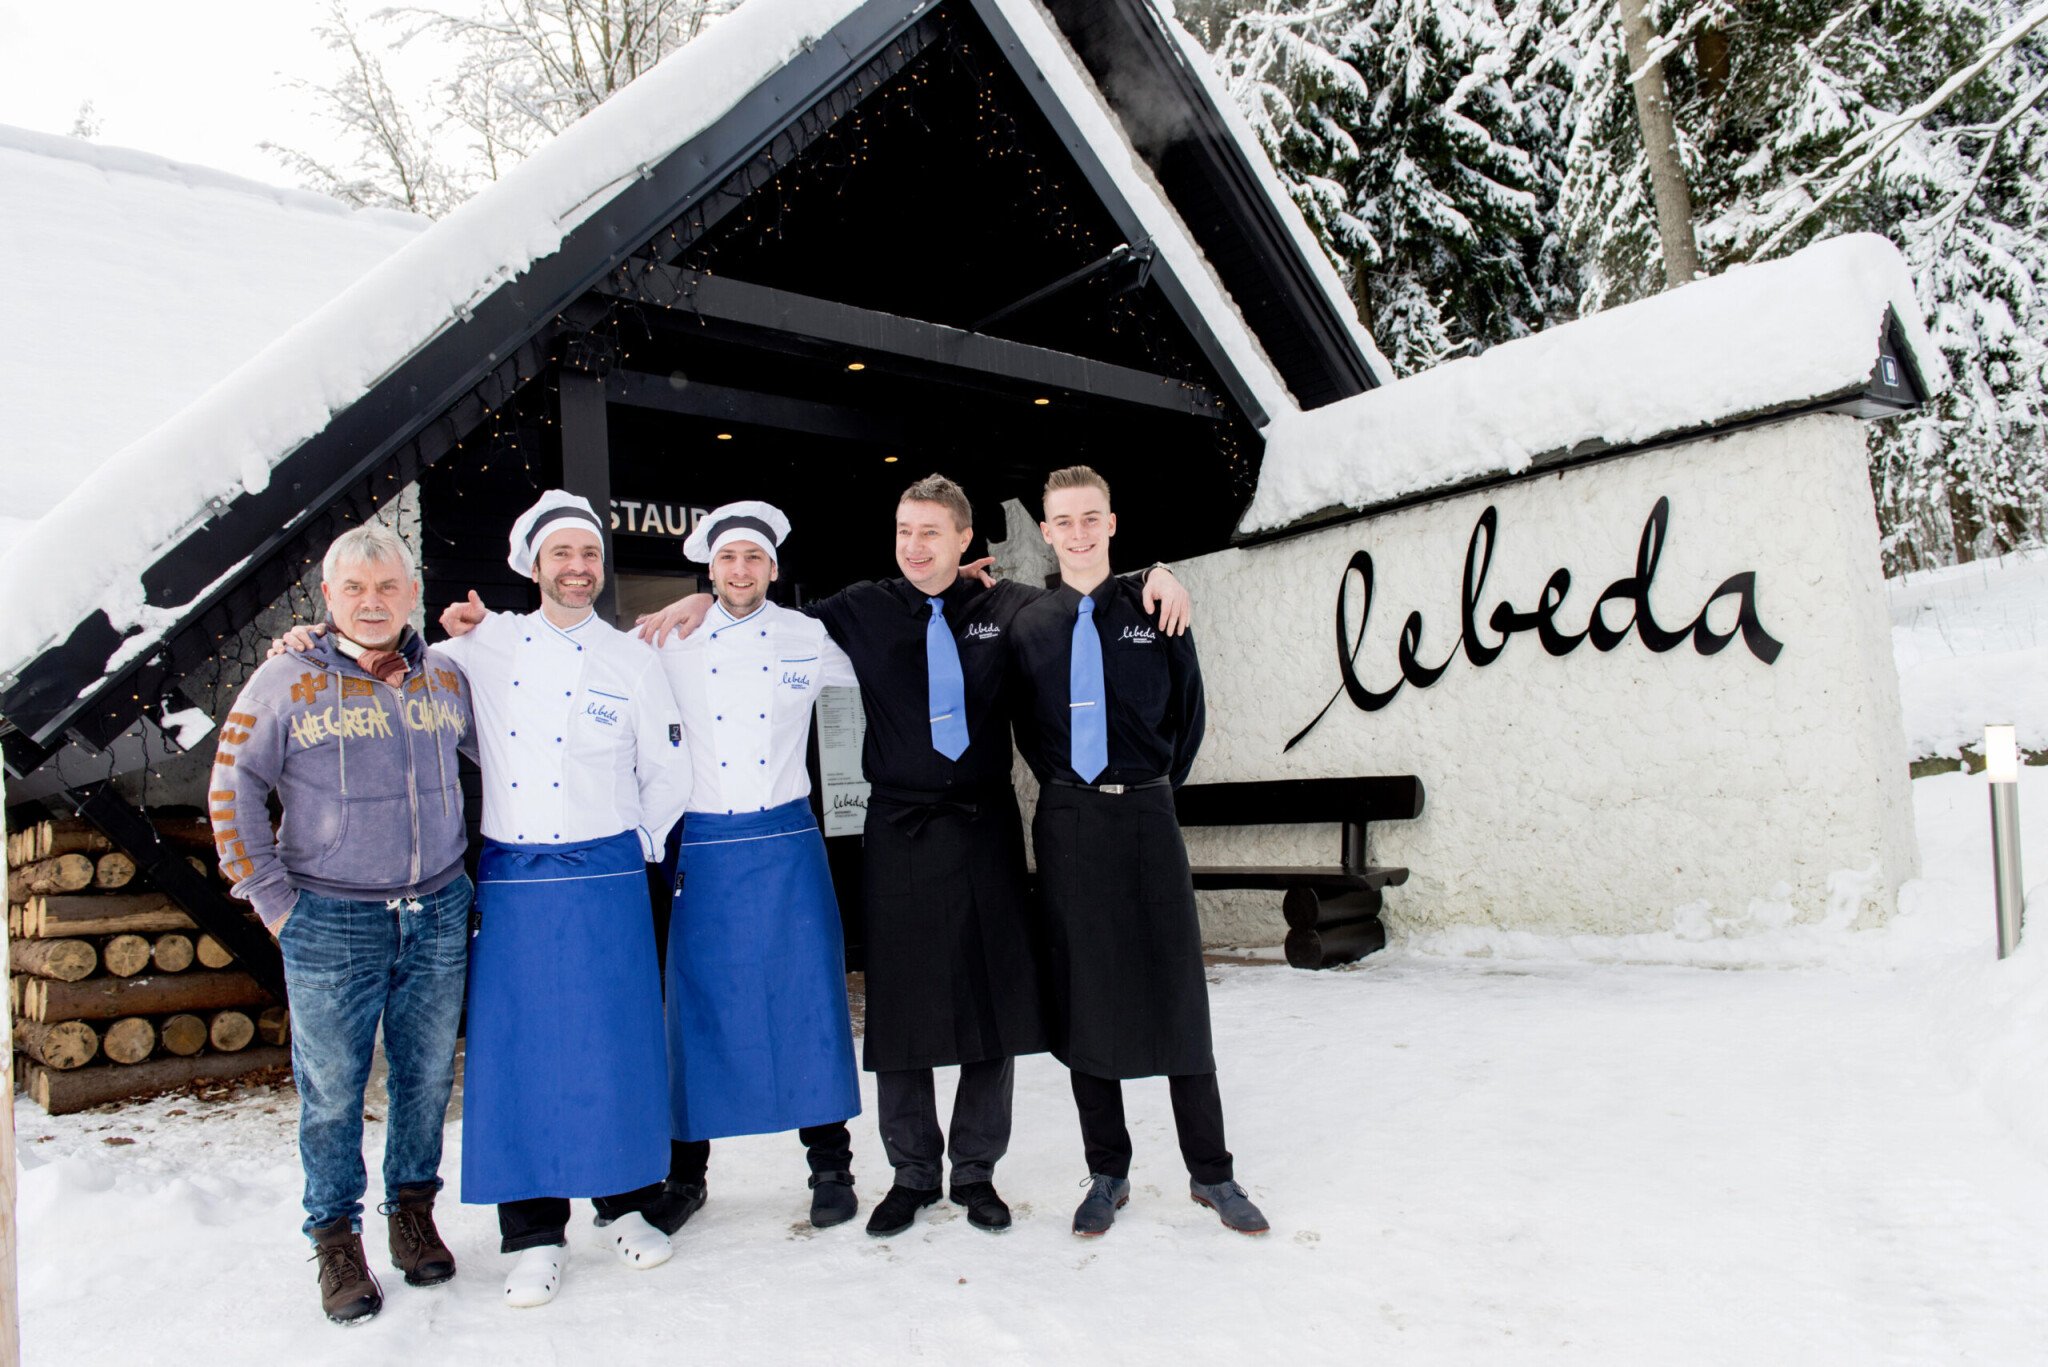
x=1112 y=788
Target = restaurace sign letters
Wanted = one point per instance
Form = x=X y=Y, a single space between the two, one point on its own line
x=1628 y=596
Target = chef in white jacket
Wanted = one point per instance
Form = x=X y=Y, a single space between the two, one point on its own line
x=759 y=1036
x=585 y=769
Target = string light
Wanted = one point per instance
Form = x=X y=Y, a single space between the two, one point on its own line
x=514 y=412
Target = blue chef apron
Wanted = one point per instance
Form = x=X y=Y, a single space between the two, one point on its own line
x=562 y=1088
x=759 y=1038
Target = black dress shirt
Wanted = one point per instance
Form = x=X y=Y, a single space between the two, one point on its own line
x=1152 y=683
x=882 y=627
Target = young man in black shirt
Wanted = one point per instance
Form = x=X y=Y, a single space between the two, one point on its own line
x=1110 y=722
x=954 y=974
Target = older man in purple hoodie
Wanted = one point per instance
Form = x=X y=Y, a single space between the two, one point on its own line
x=363 y=885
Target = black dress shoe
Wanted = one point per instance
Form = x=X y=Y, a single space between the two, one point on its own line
x=898 y=1209
x=985 y=1209
x=678 y=1201
x=832 y=1199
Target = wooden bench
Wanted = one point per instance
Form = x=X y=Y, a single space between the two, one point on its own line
x=1332 y=910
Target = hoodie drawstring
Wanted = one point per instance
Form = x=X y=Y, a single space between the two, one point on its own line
x=341 y=742
x=440 y=751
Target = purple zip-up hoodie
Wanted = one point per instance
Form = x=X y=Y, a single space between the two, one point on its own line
x=365 y=770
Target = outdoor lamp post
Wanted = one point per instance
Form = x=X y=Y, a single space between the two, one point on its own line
x=2002 y=768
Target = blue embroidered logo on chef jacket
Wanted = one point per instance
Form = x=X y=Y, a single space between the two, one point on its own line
x=602 y=712
x=797 y=679
x=1143 y=636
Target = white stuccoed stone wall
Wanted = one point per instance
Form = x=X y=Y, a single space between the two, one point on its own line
x=1603 y=793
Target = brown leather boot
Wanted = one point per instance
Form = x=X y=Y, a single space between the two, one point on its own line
x=416 y=1247
x=348 y=1290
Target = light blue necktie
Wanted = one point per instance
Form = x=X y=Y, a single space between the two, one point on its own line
x=1087 y=719
x=944 y=688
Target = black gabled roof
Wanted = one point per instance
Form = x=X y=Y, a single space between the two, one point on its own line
x=1165 y=107
x=427 y=404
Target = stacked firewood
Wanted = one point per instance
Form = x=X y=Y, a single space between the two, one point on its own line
x=115 y=992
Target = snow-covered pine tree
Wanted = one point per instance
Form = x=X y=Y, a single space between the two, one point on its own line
x=1969 y=476
x=1302 y=100
x=1426 y=173
x=1775 y=101
x=1455 y=180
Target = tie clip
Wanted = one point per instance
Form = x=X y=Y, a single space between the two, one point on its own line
x=942 y=716
x=1089 y=703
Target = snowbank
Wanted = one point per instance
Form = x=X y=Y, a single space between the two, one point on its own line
x=1988 y=1018
x=132 y=284
x=1753 y=340
x=1972 y=646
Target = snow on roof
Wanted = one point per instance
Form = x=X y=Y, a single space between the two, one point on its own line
x=1754 y=340
x=131 y=284
x=1086 y=105
x=77 y=558
x=1312 y=251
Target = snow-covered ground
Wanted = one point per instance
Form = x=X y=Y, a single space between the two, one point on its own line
x=1465 y=1159
x=1814 y=1145
x=1972 y=646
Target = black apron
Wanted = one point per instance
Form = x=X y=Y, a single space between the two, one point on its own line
x=1127 y=995
x=953 y=957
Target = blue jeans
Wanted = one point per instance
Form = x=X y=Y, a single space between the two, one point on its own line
x=347 y=963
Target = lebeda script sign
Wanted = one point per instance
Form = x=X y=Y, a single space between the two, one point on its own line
x=1627 y=599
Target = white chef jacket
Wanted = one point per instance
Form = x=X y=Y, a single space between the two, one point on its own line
x=746 y=686
x=577 y=731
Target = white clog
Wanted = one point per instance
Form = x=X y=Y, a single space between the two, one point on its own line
x=639 y=1244
x=535 y=1277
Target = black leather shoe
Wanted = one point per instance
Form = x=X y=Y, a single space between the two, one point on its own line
x=678 y=1201
x=985 y=1209
x=898 y=1209
x=832 y=1199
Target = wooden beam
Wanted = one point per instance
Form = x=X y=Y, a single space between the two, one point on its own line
x=587 y=461
x=696 y=399
x=1014 y=366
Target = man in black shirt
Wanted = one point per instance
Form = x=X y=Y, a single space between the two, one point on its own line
x=1110 y=722
x=954 y=959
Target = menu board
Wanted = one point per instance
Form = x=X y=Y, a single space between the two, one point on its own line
x=842 y=726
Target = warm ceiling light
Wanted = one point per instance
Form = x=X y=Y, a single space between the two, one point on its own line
x=888 y=460
x=1041 y=402
x=725 y=436
x=856 y=365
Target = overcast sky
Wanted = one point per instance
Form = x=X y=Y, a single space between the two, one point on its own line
x=196 y=80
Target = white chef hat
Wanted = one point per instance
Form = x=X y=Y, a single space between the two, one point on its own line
x=555 y=507
x=748 y=520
